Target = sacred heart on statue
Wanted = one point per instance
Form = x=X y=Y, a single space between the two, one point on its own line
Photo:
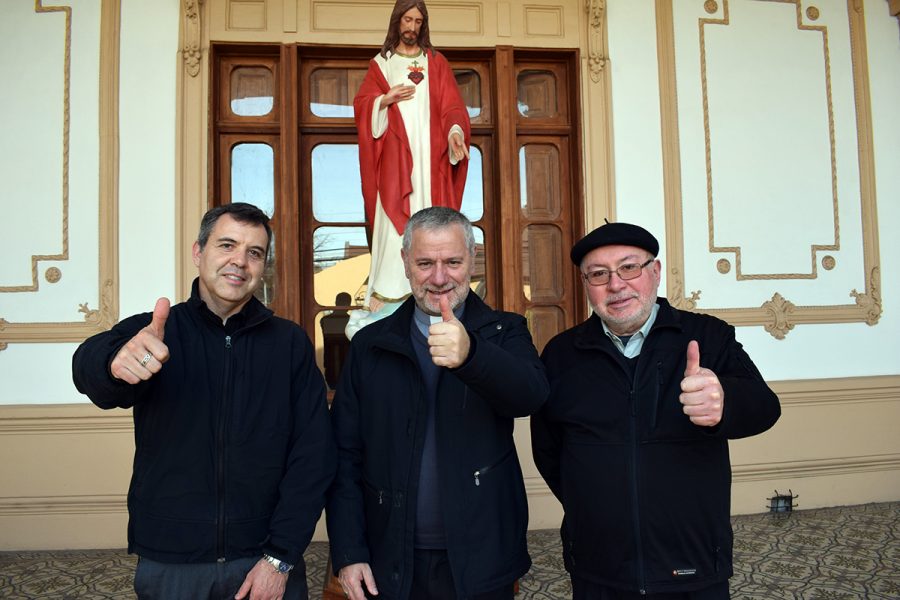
x=416 y=74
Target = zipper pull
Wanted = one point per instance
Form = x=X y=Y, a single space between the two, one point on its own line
x=380 y=497
x=228 y=341
x=477 y=483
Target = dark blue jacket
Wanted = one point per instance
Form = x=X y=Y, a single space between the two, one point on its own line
x=646 y=493
x=379 y=422
x=233 y=447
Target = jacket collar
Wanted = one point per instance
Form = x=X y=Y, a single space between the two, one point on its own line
x=397 y=336
x=590 y=334
x=252 y=313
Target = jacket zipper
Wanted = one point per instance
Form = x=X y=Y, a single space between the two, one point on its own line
x=634 y=484
x=483 y=470
x=220 y=453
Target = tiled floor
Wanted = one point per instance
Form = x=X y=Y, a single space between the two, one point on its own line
x=844 y=553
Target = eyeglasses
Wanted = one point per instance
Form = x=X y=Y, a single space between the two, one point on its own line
x=625 y=272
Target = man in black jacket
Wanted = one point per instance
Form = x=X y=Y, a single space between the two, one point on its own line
x=429 y=501
x=633 y=439
x=233 y=447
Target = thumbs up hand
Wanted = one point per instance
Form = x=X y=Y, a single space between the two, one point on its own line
x=143 y=355
x=702 y=395
x=448 y=340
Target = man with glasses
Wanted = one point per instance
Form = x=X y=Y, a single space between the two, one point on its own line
x=633 y=439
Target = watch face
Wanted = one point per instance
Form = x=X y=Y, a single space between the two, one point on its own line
x=283 y=567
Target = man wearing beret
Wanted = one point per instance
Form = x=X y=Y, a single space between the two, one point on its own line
x=633 y=439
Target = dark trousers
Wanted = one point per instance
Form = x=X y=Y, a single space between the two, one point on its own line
x=588 y=590
x=432 y=579
x=213 y=581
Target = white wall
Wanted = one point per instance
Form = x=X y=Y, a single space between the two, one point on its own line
x=809 y=351
x=32 y=195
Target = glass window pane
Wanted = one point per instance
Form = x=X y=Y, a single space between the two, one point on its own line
x=331 y=91
x=253 y=176
x=542 y=263
x=473 y=194
x=539 y=192
x=340 y=263
x=537 y=94
x=469 y=83
x=252 y=91
x=336 y=185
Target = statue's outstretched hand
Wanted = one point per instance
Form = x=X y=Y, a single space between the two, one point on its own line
x=458 y=148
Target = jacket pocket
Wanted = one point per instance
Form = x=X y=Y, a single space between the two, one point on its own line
x=377 y=503
x=481 y=472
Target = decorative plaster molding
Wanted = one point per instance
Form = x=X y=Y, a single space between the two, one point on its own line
x=777 y=316
x=67 y=70
x=870 y=302
x=815 y=468
x=597 y=53
x=780 y=310
x=677 y=287
x=108 y=222
x=838 y=391
x=814 y=248
x=19 y=506
x=190 y=48
x=63 y=419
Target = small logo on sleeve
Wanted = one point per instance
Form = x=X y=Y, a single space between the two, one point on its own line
x=684 y=572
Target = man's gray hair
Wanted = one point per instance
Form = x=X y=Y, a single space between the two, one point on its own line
x=438 y=217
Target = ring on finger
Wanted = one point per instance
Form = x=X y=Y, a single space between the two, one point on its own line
x=147 y=358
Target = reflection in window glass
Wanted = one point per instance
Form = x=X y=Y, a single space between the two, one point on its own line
x=252 y=91
x=253 y=176
x=341 y=263
x=469 y=83
x=536 y=91
x=479 y=281
x=336 y=186
x=473 y=194
x=331 y=342
x=266 y=292
x=332 y=90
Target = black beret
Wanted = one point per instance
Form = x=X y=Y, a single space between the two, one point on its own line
x=610 y=234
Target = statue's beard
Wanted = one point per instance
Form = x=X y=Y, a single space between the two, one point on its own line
x=409 y=38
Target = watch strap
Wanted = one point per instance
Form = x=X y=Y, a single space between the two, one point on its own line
x=278 y=565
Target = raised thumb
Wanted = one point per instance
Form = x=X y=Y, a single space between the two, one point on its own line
x=446 y=313
x=160 y=314
x=693 y=359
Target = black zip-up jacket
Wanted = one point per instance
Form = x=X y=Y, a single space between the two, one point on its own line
x=379 y=415
x=233 y=446
x=646 y=493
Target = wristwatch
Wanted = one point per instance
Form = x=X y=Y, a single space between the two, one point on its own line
x=278 y=565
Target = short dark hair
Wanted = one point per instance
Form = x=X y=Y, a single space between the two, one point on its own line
x=393 y=33
x=438 y=217
x=240 y=212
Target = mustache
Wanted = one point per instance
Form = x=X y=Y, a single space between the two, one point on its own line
x=619 y=297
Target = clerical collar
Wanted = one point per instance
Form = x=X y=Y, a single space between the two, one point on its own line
x=423 y=320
